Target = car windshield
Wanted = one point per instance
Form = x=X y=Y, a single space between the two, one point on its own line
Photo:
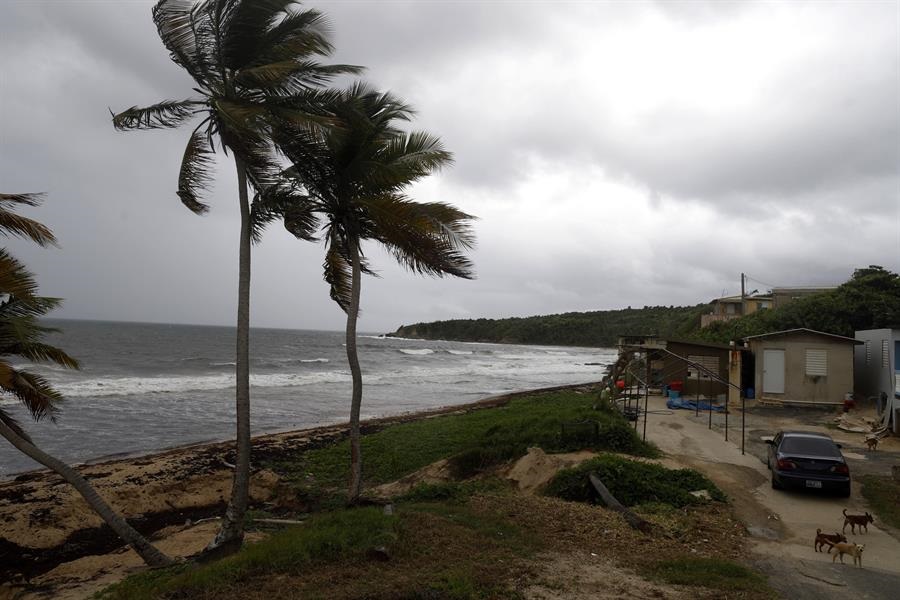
x=810 y=446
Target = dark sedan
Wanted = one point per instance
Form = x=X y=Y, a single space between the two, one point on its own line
x=806 y=460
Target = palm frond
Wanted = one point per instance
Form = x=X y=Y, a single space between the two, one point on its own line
x=244 y=24
x=426 y=238
x=34 y=391
x=288 y=202
x=15 y=279
x=162 y=115
x=47 y=353
x=6 y=419
x=195 y=175
x=298 y=35
x=174 y=21
x=22 y=226
x=338 y=273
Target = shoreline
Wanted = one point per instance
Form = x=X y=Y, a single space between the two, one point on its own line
x=113 y=458
x=46 y=522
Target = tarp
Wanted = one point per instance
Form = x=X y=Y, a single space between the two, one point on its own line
x=691 y=404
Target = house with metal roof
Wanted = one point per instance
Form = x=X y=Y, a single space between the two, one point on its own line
x=802 y=366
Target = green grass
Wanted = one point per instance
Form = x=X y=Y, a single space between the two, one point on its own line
x=327 y=537
x=883 y=493
x=713 y=573
x=632 y=483
x=478 y=438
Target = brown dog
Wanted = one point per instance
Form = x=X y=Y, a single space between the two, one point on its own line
x=854 y=550
x=872 y=443
x=825 y=538
x=857 y=520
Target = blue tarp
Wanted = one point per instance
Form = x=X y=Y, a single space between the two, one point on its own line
x=691 y=404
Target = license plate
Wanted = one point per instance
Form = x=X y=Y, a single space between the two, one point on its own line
x=813 y=484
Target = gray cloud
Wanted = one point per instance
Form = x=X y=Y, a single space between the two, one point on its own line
x=618 y=154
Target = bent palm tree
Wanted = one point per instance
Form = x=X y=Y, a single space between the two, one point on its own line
x=354 y=175
x=253 y=63
x=20 y=335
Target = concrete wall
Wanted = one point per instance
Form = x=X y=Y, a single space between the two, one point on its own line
x=797 y=384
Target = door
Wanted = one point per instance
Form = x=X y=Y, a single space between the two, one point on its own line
x=773 y=372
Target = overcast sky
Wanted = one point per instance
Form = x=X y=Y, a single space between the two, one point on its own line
x=616 y=154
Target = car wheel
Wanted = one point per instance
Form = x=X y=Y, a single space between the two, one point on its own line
x=845 y=493
x=775 y=484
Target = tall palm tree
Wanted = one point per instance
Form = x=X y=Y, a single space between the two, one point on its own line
x=353 y=176
x=254 y=64
x=20 y=335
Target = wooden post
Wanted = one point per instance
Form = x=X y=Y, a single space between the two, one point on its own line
x=635 y=521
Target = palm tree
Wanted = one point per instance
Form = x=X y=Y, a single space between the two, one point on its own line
x=253 y=62
x=20 y=335
x=353 y=176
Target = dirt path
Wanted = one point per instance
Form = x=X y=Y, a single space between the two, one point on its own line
x=783 y=524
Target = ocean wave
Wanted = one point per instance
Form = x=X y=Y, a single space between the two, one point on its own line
x=127 y=386
x=314 y=360
x=459 y=352
x=417 y=352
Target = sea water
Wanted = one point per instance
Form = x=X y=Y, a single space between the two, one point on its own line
x=145 y=387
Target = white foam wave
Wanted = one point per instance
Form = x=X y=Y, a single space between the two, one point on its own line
x=314 y=360
x=460 y=352
x=419 y=352
x=163 y=385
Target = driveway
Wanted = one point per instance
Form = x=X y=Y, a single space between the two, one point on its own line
x=782 y=524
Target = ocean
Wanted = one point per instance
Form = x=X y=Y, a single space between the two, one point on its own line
x=146 y=387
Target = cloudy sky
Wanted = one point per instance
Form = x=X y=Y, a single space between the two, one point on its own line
x=616 y=154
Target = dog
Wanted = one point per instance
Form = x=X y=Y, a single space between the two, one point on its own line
x=825 y=538
x=854 y=550
x=872 y=443
x=862 y=521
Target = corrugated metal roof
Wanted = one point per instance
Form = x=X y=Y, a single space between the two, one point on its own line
x=840 y=338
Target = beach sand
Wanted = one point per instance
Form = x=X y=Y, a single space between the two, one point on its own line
x=46 y=525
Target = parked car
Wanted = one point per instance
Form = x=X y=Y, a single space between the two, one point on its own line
x=807 y=460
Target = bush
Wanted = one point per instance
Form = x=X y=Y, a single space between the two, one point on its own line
x=618 y=436
x=632 y=483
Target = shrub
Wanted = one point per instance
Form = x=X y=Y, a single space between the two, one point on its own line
x=632 y=483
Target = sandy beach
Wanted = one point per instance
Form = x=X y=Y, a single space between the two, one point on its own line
x=47 y=527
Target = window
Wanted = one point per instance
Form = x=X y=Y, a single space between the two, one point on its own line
x=885 y=359
x=816 y=362
x=711 y=363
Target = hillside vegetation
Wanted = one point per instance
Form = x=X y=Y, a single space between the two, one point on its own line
x=869 y=300
x=597 y=328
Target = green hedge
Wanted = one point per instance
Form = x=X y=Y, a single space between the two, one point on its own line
x=632 y=483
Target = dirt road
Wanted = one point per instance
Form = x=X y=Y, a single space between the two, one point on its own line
x=783 y=524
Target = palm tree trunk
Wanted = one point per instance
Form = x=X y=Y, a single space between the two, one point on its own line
x=145 y=549
x=231 y=534
x=356 y=373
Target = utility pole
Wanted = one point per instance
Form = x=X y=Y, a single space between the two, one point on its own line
x=743 y=310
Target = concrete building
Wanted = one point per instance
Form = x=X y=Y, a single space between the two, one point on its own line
x=734 y=307
x=802 y=366
x=877 y=372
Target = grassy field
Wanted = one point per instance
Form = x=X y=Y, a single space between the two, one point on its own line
x=883 y=493
x=470 y=539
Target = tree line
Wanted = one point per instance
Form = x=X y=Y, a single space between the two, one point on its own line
x=328 y=163
x=596 y=328
x=870 y=299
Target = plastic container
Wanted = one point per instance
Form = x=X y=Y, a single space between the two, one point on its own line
x=676 y=385
x=674 y=394
x=750 y=394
